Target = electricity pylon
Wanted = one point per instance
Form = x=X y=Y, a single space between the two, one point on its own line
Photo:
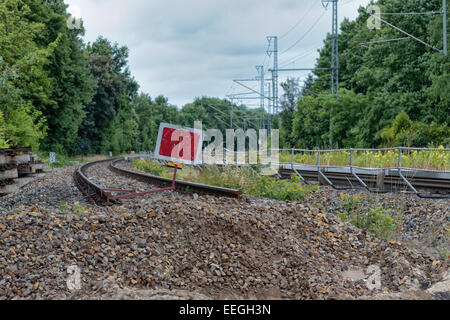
x=334 y=58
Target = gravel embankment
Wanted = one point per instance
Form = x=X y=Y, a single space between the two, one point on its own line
x=421 y=223
x=174 y=245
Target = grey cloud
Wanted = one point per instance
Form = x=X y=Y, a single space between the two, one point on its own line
x=185 y=49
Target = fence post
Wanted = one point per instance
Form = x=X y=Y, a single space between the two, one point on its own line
x=318 y=159
x=351 y=160
x=399 y=158
x=292 y=158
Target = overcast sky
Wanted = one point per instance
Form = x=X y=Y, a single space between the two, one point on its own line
x=187 y=49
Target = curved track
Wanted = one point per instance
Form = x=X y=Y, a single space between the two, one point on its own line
x=98 y=194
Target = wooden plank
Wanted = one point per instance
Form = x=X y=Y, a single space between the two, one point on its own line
x=23 y=158
x=9 y=188
x=16 y=151
x=19 y=183
x=9 y=174
x=18 y=159
x=39 y=166
x=25 y=169
x=31 y=168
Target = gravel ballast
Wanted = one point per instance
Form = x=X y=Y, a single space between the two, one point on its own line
x=189 y=246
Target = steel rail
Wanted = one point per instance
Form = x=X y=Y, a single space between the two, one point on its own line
x=90 y=189
x=392 y=183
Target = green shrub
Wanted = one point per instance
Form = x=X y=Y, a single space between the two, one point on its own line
x=77 y=210
x=405 y=132
x=375 y=220
x=150 y=167
x=63 y=206
x=61 y=160
x=287 y=190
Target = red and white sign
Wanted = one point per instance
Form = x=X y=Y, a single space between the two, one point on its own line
x=179 y=144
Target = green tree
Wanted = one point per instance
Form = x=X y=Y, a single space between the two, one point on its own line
x=289 y=101
x=3 y=143
x=312 y=119
x=405 y=132
x=25 y=86
x=395 y=76
x=72 y=82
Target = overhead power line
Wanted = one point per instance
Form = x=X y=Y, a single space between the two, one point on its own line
x=299 y=21
x=365 y=44
x=345 y=3
x=302 y=55
x=305 y=34
x=406 y=33
x=410 y=13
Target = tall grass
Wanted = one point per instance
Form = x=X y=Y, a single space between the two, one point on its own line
x=66 y=161
x=247 y=179
x=431 y=160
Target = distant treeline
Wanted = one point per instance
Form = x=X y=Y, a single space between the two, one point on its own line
x=395 y=93
x=60 y=94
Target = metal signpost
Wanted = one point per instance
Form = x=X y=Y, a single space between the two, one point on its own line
x=175 y=144
x=52 y=159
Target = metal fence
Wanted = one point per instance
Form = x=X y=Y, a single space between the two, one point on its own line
x=240 y=159
x=399 y=167
x=399 y=150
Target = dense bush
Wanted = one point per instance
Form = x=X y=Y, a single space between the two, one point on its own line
x=407 y=133
x=375 y=220
x=291 y=190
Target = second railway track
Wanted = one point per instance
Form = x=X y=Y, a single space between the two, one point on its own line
x=389 y=183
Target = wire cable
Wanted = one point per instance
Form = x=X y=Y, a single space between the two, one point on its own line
x=347 y=2
x=410 y=13
x=305 y=34
x=302 y=55
x=299 y=21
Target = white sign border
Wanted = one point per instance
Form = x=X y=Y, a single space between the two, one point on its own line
x=198 y=155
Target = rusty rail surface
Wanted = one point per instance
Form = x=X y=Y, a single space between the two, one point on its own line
x=90 y=189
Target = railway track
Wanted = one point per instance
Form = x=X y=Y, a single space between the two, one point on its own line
x=102 y=196
x=435 y=187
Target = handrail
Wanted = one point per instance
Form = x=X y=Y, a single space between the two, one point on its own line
x=362 y=149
